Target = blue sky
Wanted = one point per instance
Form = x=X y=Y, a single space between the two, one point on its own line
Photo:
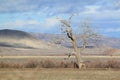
x=40 y=15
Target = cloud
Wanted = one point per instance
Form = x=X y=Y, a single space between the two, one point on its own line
x=96 y=14
x=50 y=22
x=112 y=30
x=91 y=9
x=19 y=23
x=12 y=6
x=42 y=26
x=38 y=15
x=54 y=6
x=117 y=4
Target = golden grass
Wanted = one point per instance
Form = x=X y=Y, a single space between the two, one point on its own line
x=109 y=57
x=58 y=74
x=33 y=56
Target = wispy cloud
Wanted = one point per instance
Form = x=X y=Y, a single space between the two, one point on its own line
x=39 y=15
x=55 y=6
x=19 y=23
x=112 y=30
x=91 y=9
x=47 y=24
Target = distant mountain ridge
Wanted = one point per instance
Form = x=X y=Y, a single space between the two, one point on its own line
x=8 y=33
x=20 y=43
x=63 y=40
x=60 y=39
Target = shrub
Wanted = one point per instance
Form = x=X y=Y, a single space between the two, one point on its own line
x=103 y=64
x=4 y=65
x=31 y=64
x=60 y=64
x=47 y=64
x=113 y=64
x=10 y=65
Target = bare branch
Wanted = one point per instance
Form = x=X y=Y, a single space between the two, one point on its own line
x=70 y=18
x=65 y=22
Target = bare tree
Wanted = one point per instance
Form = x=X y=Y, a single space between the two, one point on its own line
x=87 y=33
x=67 y=28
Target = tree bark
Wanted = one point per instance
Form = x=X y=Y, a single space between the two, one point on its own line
x=77 y=54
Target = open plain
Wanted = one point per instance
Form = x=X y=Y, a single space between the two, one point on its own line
x=58 y=74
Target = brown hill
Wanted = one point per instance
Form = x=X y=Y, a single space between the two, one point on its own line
x=14 y=42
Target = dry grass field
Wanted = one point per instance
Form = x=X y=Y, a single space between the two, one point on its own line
x=58 y=74
x=38 y=73
x=27 y=58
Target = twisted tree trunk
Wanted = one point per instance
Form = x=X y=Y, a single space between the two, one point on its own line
x=76 y=53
